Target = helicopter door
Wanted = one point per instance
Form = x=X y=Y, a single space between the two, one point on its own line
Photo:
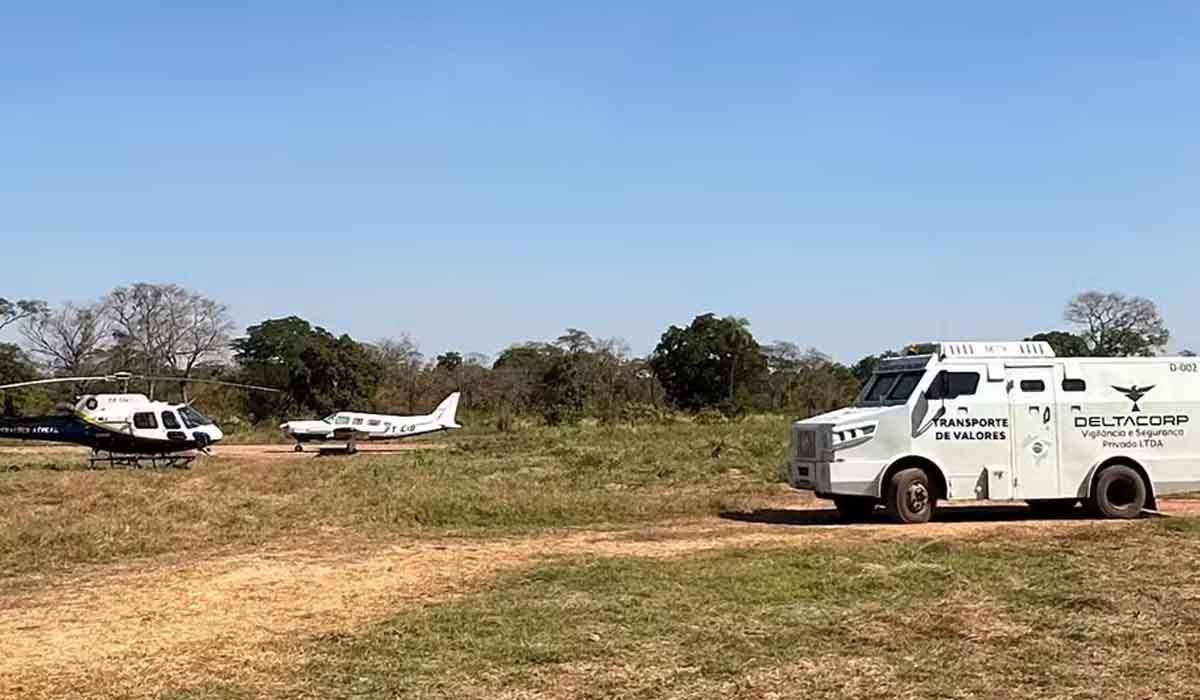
x=174 y=429
x=144 y=423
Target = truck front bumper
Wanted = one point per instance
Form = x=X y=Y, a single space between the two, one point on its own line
x=828 y=479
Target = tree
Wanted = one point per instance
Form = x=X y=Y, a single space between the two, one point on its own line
x=783 y=356
x=317 y=371
x=404 y=383
x=713 y=362
x=70 y=341
x=1114 y=325
x=561 y=391
x=576 y=341
x=808 y=382
x=16 y=311
x=1063 y=343
x=449 y=362
x=14 y=368
x=165 y=328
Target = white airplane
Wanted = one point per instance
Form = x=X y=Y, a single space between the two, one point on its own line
x=350 y=427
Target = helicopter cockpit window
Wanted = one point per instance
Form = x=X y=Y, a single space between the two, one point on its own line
x=145 y=421
x=193 y=418
x=343 y=420
x=170 y=422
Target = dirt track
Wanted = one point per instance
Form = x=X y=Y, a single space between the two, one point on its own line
x=224 y=451
x=146 y=627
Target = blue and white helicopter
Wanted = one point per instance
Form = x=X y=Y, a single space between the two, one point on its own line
x=125 y=428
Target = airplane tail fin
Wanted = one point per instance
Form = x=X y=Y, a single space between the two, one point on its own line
x=446 y=413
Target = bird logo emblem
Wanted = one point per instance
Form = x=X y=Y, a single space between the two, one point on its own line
x=1135 y=394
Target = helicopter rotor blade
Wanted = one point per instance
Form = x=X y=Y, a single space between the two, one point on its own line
x=216 y=382
x=56 y=380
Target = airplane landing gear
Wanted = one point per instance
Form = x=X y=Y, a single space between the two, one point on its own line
x=298 y=448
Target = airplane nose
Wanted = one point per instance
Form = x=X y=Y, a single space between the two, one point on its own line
x=216 y=435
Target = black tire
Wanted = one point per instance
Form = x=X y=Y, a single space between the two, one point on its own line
x=1053 y=507
x=910 y=497
x=1120 y=493
x=298 y=448
x=854 y=508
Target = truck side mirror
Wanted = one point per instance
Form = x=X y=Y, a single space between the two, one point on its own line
x=939 y=388
x=920 y=414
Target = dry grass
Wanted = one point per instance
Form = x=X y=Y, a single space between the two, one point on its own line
x=1088 y=614
x=486 y=483
x=528 y=565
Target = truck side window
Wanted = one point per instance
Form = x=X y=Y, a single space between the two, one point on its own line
x=1033 y=386
x=1074 y=385
x=951 y=385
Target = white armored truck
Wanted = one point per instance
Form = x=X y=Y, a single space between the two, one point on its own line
x=1007 y=421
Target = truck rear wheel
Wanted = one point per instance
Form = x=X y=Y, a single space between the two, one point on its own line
x=1120 y=493
x=854 y=508
x=910 y=497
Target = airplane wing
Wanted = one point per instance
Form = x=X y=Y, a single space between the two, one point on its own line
x=350 y=434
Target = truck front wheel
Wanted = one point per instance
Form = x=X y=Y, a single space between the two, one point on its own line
x=854 y=508
x=1120 y=493
x=910 y=497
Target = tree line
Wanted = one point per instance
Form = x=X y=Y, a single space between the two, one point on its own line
x=712 y=364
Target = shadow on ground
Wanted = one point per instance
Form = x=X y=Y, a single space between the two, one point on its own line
x=955 y=514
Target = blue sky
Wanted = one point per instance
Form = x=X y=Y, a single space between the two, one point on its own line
x=851 y=176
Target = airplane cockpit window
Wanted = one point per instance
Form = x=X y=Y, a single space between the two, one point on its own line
x=331 y=419
x=343 y=420
x=193 y=418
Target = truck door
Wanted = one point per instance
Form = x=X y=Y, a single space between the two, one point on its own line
x=1034 y=434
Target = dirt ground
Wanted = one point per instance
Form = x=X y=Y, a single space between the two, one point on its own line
x=137 y=629
x=255 y=453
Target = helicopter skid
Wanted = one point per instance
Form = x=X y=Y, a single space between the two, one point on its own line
x=176 y=460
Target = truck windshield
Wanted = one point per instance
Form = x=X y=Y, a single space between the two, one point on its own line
x=890 y=389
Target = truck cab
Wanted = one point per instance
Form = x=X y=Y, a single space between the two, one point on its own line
x=1003 y=421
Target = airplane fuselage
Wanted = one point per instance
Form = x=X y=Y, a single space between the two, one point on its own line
x=349 y=426
x=367 y=426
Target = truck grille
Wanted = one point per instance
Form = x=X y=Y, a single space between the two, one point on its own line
x=806 y=444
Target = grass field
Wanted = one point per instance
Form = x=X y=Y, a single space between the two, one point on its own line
x=586 y=562
x=54 y=515
x=1055 y=616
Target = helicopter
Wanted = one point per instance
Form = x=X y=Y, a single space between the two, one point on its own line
x=124 y=428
